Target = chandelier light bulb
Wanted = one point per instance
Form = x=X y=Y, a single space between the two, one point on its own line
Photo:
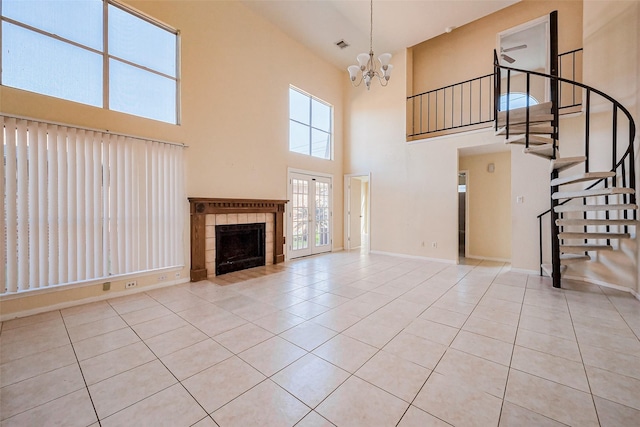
x=384 y=59
x=387 y=72
x=363 y=60
x=353 y=72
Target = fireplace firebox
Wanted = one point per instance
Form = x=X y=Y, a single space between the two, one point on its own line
x=239 y=246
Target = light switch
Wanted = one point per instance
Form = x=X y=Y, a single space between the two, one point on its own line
x=520 y=199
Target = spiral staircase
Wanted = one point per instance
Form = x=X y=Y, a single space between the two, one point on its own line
x=593 y=201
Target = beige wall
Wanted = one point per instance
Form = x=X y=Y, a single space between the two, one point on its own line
x=467 y=52
x=236 y=71
x=414 y=193
x=489 y=208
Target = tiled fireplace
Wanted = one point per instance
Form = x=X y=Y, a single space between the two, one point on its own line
x=207 y=213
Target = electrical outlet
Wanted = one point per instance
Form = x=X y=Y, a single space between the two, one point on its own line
x=106 y=286
x=177 y=274
x=131 y=284
x=162 y=277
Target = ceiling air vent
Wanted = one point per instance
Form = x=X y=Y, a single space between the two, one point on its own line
x=342 y=44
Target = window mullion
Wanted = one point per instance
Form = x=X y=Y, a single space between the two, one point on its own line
x=105 y=55
x=310 y=127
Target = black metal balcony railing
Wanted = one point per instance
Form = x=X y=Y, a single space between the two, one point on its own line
x=471 y=103
x=451 y=107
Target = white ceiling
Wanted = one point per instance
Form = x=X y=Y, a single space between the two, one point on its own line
x=397 y=24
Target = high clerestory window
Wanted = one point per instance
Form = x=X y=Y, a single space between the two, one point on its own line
x=310 y=125
x=96 y=52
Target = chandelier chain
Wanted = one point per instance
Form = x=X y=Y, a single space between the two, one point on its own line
x=371 y=29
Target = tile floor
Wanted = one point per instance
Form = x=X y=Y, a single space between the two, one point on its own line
x=342 y=339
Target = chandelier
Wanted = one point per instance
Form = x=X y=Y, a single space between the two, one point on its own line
x=367 y=68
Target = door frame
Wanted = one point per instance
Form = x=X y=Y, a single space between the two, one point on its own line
x=347 y=210
x=466 y=214
x=288 y=236
x=543 y=20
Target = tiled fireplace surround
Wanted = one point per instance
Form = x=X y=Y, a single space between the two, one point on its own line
x=212 y=220
x=206 y=213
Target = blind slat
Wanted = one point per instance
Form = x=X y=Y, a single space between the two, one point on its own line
x=72 y=203
x=11 y=207
x=34 y=222
x=52 y=212
x=63 y=215
x=43 y=206
x=22 y=177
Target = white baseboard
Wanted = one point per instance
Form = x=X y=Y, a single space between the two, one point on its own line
x=108 y=295
x=525 y=271
x=485 y=258
x=423 y=258
x=605 y=284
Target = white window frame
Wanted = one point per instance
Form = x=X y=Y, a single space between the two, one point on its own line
x=311 y=128
x=106 y=56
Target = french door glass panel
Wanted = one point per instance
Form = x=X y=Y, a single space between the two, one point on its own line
x=310 y=216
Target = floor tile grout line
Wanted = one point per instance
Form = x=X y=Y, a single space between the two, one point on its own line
x=621 y=315
x=84 y=379
x=584 y=367
x=515 y=339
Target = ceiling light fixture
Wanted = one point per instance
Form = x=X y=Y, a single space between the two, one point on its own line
x=367 y=68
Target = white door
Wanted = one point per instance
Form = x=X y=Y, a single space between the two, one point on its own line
x=355 y=213
x=309 y=215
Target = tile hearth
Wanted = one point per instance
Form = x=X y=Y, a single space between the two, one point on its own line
x=343 y=339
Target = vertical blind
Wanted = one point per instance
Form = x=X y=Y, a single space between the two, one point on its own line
x=81 y=205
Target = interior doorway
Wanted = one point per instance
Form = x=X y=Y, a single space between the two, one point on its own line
x=357 y=212
x=525 y=47
x=462 y=213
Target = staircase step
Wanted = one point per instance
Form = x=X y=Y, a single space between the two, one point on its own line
x=591 y=193
x=544 y=151
x=522 y=119
x=533 y=140
x=572 y=249
x=571 y=258
x=517 y=113
x=563 y=163
x=590 y=176
x=595 y=222
x=521 y=129
x=588 y=236
x=592 y=208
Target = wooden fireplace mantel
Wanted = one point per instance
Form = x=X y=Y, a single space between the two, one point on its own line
x=199 y=207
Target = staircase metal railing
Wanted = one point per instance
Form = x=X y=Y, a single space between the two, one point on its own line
x=621 y=157
x=450 y=107
x=470 y=103
x=570 y=67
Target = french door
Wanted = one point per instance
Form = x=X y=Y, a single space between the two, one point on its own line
x=309 y=222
